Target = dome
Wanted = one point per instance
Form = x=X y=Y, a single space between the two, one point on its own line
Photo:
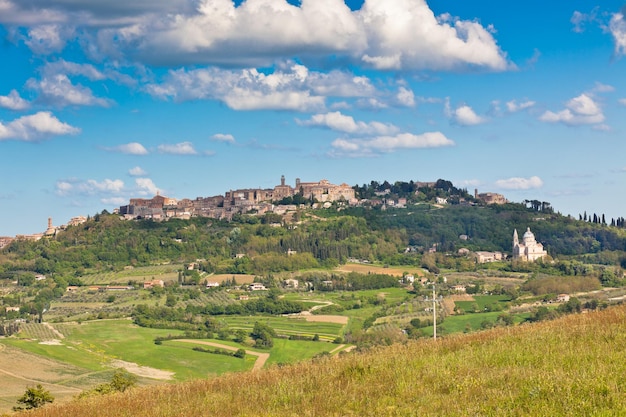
x=528 y=233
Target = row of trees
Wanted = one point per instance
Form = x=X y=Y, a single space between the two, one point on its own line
x=601 y=219
x=190 y=317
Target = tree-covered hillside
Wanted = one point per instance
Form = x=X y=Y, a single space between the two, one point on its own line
x=107 y=242
x=314 y=238
x=491 y=228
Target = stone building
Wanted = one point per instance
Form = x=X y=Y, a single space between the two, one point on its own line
x=323 y=191
x=490 y=198
x=283 y=190
x=528 y=249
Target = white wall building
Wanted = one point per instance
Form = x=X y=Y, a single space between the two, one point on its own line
x=528 y=249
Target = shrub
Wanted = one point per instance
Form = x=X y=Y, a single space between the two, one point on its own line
x=34 y=397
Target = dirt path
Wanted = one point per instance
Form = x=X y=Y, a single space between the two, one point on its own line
x=337 y=349
x=144 y=371
x=322 y=305
x=320 y=318
x=258 y=364
x=55 y=331
x=63 y=389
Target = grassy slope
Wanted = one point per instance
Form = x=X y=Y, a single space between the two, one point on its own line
x=571 y=366
x=93 y=345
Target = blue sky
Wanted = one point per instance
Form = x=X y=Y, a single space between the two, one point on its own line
x=104 y=101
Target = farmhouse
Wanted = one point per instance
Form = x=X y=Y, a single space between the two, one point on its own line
x=484 y=257
x=154 y=283
x=291 y=283
x=562 y=298
x=257 y=286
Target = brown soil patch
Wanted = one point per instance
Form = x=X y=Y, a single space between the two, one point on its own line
x=448 y=302
x=143 y=371
x=241 y=279
x=374 y=269
x=324 y=318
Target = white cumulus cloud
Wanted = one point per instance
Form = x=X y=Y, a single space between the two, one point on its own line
x=107 y=185
x=390 y=34
x=182 y=148
x=579 y=110
x=132 y=148
x=519 y=183
x=35 y=127
x=13 y=101
x=463 y=115
x=62 y=66
x=384 y=144
x=617 y=27
x=222 y=137
x=48 y=38
x=289 y=87
x=59 y=90
x=146 y=186
x=89 y=187
x=407 y=35
x=579 y=20
x=64 y=187
x=405 y=97
x=137 y=172
x=513 y=106
x=394 y=34
x=341 y=123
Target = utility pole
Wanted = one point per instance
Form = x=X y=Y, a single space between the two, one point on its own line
x=434 y=315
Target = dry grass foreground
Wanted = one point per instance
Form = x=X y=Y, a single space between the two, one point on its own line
x=16 y=373
x=573 y=366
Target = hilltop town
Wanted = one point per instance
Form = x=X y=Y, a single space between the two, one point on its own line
x=283 y=199
x=279 y=200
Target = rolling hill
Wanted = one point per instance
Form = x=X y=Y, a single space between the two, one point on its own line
x=570 y=366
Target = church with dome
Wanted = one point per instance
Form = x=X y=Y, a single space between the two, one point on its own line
x=528 y=249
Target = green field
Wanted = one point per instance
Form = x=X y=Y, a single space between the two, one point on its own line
x=290 y=351
x=93 y=345
x=139 y=274
x=483 y=301
x=456 y=324
x=92 y=348
x=285 y=325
